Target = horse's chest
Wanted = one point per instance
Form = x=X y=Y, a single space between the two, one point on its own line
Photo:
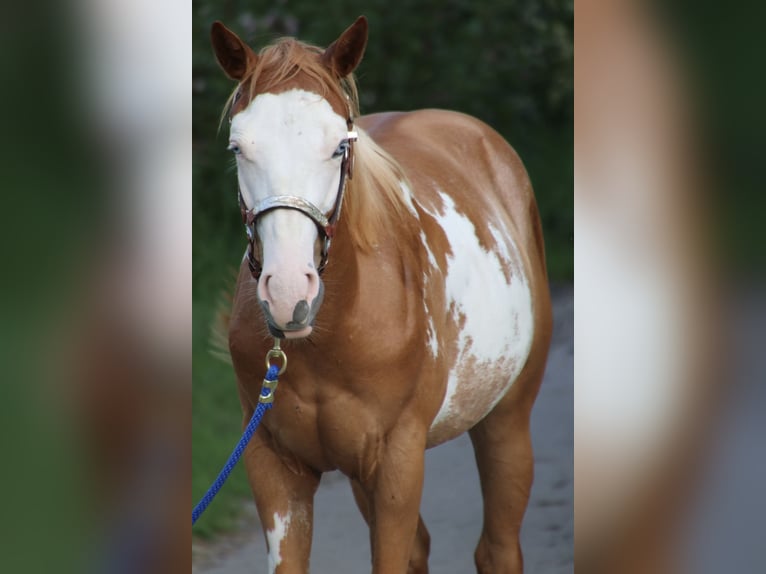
x=335 y=431
x=486 y=337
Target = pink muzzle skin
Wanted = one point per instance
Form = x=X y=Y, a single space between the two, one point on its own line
x=290 y=321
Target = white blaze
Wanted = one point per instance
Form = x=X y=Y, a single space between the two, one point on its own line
x=286 y=145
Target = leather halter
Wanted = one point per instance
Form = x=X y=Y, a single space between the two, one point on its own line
x=325 y=224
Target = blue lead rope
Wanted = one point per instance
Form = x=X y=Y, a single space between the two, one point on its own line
x=267 y=395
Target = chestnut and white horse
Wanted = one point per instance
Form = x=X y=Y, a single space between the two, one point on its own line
x=431 y=318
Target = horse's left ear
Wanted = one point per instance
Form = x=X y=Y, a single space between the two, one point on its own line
x=345 y=53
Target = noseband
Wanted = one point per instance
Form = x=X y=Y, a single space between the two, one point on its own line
x=325 y=224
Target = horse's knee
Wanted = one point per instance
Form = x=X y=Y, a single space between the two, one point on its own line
x=418 y=567
x=498 y=558
x=420 y=551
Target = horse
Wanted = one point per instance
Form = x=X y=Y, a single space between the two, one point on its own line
x=399 y=258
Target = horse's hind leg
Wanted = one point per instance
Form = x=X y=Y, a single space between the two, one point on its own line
x=503 y=452
x=421 y=548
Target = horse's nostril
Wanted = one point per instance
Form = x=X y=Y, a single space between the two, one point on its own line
x=301 y=312
x=263 y=288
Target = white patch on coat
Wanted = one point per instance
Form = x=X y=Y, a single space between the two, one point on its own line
x=501 y=244
x=407 y=197
x=430 y=254
x=498 y=320
x=274 y=539
x=433 y=342
x=409 y=201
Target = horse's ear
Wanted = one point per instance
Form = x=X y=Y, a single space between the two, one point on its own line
x=233 y=55
x=345 y=53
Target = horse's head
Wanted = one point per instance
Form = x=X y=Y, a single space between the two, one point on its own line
x=291 y=134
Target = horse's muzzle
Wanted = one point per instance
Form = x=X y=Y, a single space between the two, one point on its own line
x=302 y=321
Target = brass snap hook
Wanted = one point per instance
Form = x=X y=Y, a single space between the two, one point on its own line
x=277 y=353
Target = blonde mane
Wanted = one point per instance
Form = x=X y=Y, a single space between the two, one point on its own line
x=373 y=201
x=374 y=196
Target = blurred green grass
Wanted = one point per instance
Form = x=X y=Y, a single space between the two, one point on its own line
x=216 y=428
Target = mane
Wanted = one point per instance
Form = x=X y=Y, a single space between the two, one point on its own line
x=374 y=197
x=374 y=202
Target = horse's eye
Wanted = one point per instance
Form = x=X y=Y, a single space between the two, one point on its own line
x=233 y=147
x=342 y=147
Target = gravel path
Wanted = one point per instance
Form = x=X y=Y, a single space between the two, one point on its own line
x=451 y=503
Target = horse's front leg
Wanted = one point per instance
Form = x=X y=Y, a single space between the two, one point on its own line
x=393 y=492
x=284 y=495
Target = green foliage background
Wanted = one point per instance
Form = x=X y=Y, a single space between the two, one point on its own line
x=509 y=63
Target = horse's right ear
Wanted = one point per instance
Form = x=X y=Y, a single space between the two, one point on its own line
x=233 y=55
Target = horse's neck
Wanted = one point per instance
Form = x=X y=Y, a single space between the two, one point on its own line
x=342 y=280
x=361 y=283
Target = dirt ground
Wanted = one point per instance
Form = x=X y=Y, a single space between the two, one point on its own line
x=451 y=503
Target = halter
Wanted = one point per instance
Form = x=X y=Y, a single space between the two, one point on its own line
x=325 y=224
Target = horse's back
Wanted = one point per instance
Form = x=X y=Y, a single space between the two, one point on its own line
x=474 y=164
x=486 y=288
